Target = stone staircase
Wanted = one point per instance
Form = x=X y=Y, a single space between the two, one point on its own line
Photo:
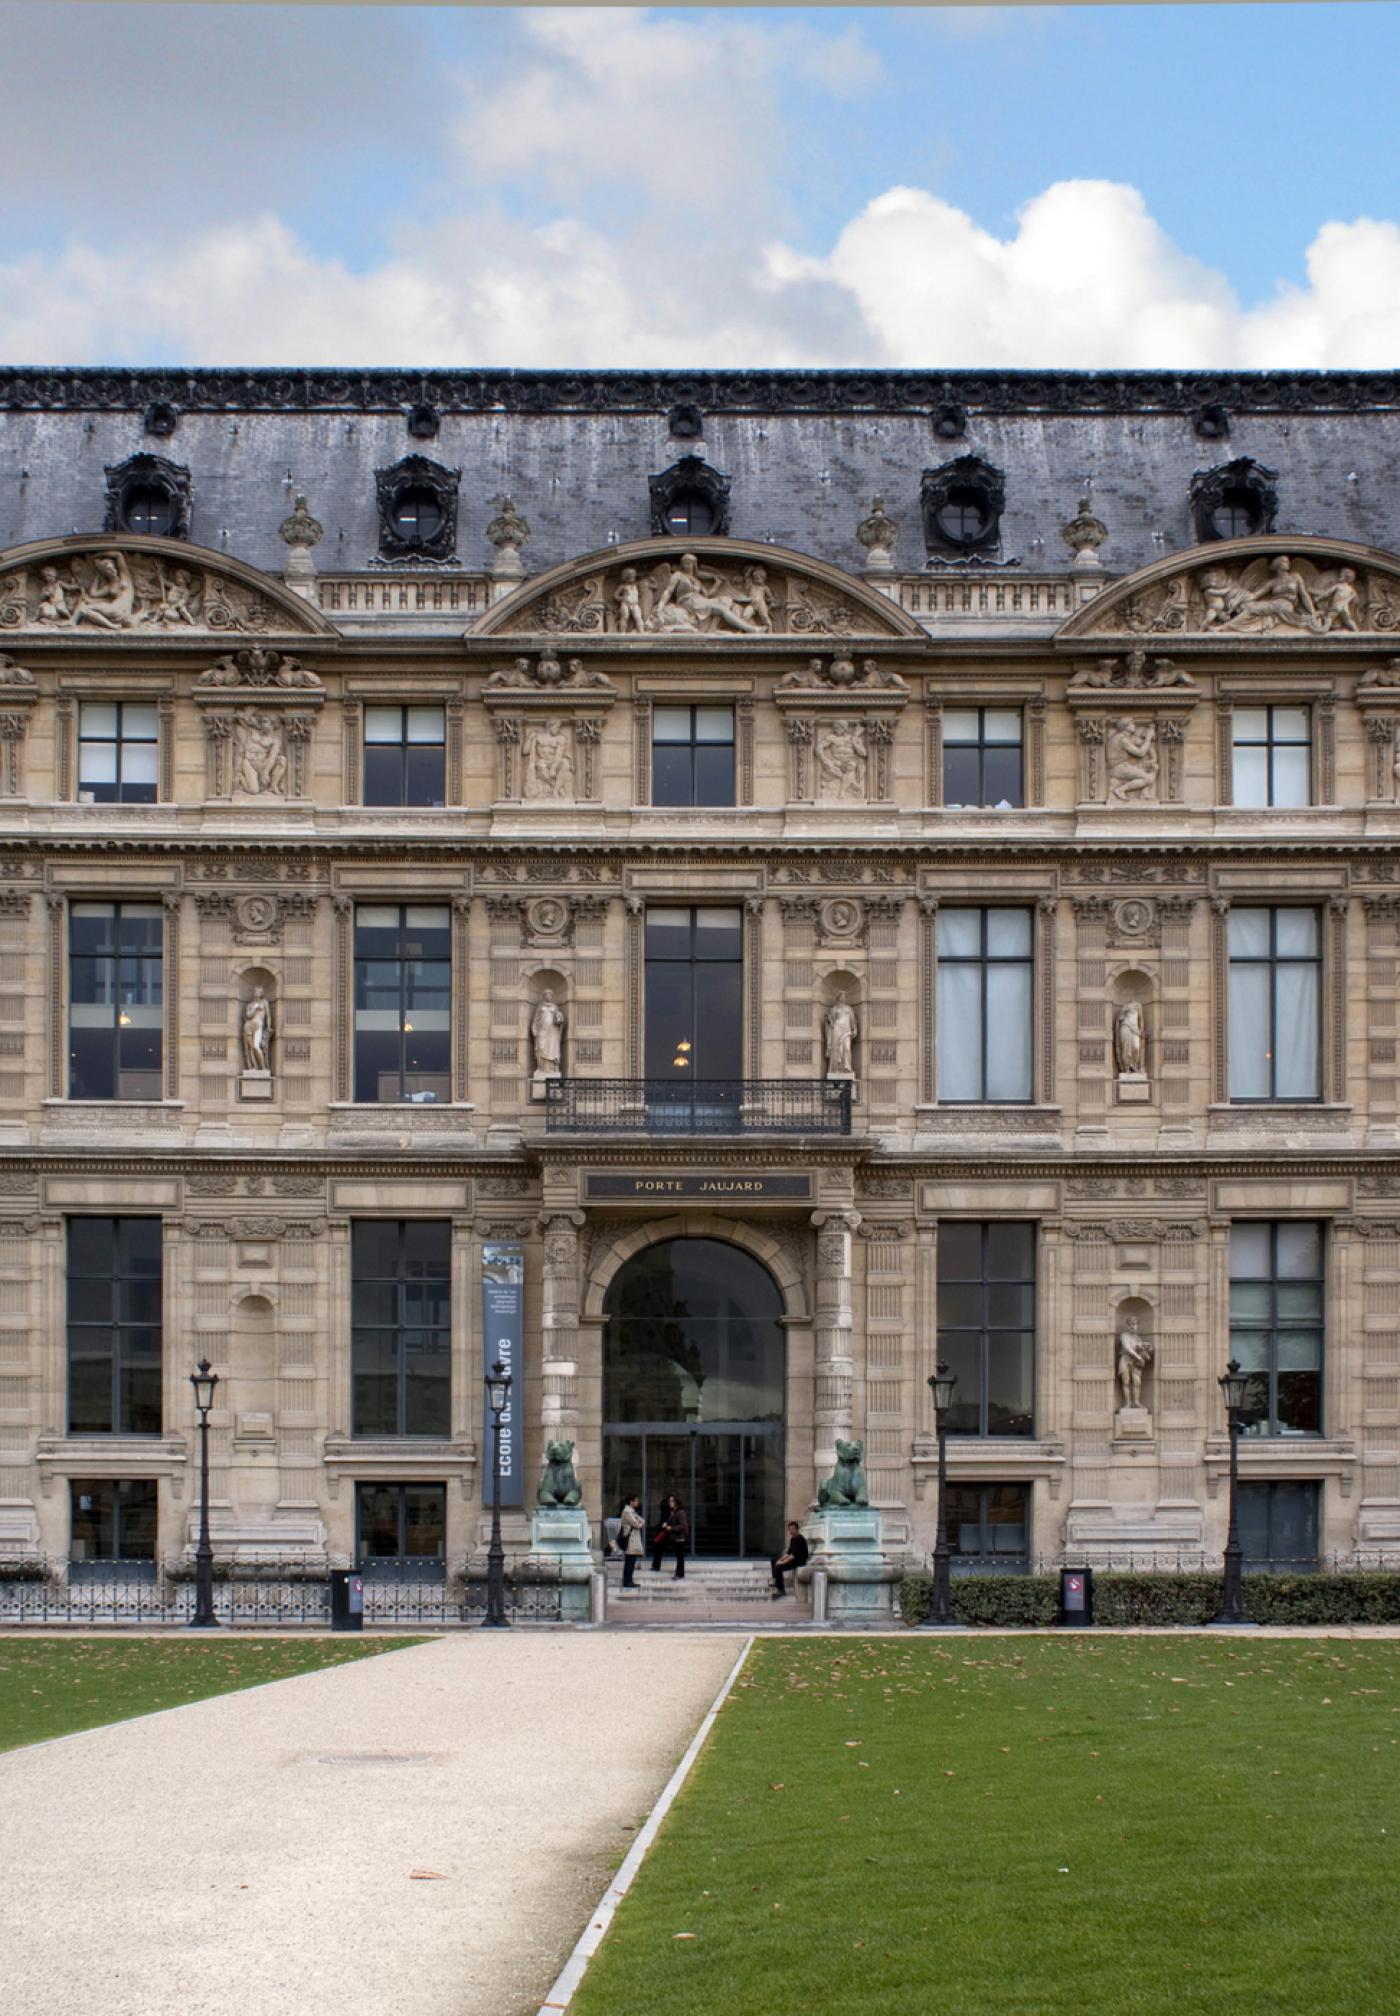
x=713 y=1592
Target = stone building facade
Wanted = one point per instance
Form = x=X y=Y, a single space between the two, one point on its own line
x=931 y=840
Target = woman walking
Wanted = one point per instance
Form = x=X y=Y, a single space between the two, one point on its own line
x=674 y=1533
x=630 y=1528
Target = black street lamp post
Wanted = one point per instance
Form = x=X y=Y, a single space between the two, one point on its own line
x=940 y=1616
x=498 y=1384
x=203 y=1381
x=1234 y=1384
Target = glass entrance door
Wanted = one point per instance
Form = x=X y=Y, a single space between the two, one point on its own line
x=727 y=1475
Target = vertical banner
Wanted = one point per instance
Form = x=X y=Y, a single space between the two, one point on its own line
x=502 y=1332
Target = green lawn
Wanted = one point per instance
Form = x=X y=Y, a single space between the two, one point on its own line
x=52 y=1686
x=1024 y=1826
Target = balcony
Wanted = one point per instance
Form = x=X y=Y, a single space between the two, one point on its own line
x=729 y=1106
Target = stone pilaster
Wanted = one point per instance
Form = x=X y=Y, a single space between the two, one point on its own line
x=559 y=1327
x=835 y=1359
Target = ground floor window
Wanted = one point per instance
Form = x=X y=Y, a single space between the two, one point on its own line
x=989 y=1527
x=401 y=1528
x=1279 y=1527
x=113 y=1526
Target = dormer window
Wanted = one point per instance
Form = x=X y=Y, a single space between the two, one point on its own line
x=417 y=510
x=689 y=499
x=1234 y=501
x=689 y=513
x=148 y=495
x=962 y=507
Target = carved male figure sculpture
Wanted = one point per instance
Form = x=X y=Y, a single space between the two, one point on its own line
x=549 y=763
x=257 y=1033
x=841 y=1033
x=1131 y=759
x=1135 y=1354
x=547 y=1034
x=842 y=757
x=1128 y=1037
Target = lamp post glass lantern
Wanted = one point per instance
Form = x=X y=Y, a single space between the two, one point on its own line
x=203 y=1380
x=498 y=1385
x=940 y=1616
x=1234 y=1385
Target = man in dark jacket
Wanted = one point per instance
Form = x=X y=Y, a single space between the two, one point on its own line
x=794 y=1556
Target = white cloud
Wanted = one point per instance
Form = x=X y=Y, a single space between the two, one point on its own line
x=1086 y=278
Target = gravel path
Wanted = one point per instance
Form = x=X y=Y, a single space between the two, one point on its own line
x=254 y=1855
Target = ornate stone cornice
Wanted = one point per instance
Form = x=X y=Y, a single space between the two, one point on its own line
x=656 y=392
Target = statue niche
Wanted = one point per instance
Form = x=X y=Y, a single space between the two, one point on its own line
x=1133 y=1353
x=257 y=1030
x=1131 y=993
x=547 y=1025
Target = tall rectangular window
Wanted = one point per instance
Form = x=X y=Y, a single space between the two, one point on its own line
x=989 y=1528
x=1276 y=1282
x=114 y=1326
x=986 y=1325
x=403 y=1002
x=1275 y=1004
x=692 y=756
x=984 y=1005
x=1279 y=1527
x=1272 y=756
x=117 y=1002
x=118 y=752
x=401 y=1334
x=982 y=763
x=401 y=1527
x=112 y=1521
x=694 y=995
x=405 y=756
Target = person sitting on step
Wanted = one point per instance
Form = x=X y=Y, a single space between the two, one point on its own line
x=794 y=1556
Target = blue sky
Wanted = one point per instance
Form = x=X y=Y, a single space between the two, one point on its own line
x=1135 y=185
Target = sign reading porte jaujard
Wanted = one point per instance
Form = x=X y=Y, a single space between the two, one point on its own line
x=502 y=1331
x=697 y=1187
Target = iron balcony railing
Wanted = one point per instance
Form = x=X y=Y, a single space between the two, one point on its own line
x=702 y=1106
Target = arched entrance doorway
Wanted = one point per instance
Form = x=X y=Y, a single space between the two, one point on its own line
x=693 y=1380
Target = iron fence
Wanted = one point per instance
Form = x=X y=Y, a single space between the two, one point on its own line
x=261 y=1596
x=702 y=1106
x=1150 y=1561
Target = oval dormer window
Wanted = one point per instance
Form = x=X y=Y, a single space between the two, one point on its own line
x=417 y=516
x=690 y=514
x=146 y=509
x=964 y=519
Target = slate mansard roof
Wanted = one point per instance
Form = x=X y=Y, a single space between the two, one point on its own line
x=805 y=452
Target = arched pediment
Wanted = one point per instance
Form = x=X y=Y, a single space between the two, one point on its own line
x=1288 y=590
x=92 y=586
x=670 y=590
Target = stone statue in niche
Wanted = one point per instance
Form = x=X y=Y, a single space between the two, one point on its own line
x=841 y=1030
x=843 y=761
x=257 y=1032
x=259 y=754
x=547 y=1035
x=1135 y=1354
x=1128 y=1037
x=549 y=760
x=1130 y=759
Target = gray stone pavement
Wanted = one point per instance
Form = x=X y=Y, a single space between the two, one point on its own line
x=255 y=1855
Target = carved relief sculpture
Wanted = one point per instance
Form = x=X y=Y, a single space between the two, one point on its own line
x=842 y=756
x=547 y=751
x=1130 y=760
x=841 y=1031
x=109 y=590
x=259 y=754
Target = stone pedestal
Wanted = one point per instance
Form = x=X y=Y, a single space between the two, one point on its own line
x=561 y=1550
x=540 y=1083
x=255 y=1085
x=1132 y=1424
x=1133 y=1087
x=847 y=1548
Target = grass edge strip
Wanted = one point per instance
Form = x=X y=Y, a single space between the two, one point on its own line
x=591 y=1938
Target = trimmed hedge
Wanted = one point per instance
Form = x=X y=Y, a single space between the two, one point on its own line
x=1034 y=1600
